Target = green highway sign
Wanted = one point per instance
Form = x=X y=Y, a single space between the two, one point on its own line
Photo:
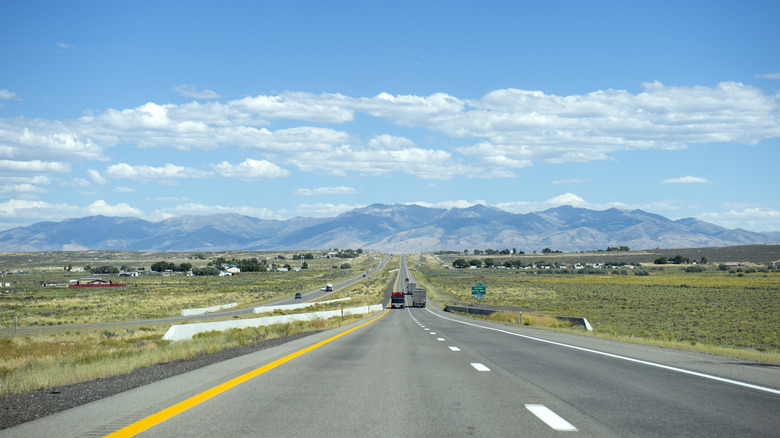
x=479 y=290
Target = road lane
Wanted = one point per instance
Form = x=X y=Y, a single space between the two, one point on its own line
x=631 y=398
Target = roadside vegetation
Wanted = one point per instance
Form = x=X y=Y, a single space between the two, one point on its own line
x=56 y=355
x=707 y=309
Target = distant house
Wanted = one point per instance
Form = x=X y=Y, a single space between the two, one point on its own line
x=94 y=282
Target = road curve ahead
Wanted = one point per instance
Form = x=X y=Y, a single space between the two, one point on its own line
x=422 y=372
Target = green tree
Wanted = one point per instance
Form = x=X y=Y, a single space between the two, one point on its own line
x=460 y=263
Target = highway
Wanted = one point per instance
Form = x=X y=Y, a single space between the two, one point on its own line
x=423 y=372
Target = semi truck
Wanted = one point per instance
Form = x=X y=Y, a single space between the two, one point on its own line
x=397 y=300
x=418 y=297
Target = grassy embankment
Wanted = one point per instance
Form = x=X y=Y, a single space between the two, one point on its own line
x=713 y=311
x=59 y=355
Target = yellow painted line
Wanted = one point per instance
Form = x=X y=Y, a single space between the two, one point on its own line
x=180 y=407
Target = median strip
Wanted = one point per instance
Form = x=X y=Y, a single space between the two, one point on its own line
x=180 y=407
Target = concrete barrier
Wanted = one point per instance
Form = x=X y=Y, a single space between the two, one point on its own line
x=266 y=309
x=203 y=310
x=181 y=332
x=471 y=310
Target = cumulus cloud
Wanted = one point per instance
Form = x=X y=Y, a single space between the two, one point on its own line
x=351 y=159
x=754 y=219
x=96 y=178
x=324 y=209
x=341 y=190
x=187 y=90
x=491 y=136
x=101 y=207
x=7 y=95
x=686 y=180
x=250 y=170
x=201 y=209
x=146 y=173
x=20 y=189
x=10 y=167
x=448 y=204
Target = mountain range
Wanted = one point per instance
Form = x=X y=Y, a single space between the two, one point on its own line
x=389 y=228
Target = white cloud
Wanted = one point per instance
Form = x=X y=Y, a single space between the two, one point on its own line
x=62 y=45
x=448 y=204
x=96 y=178
x=7 y=95
x=20 y=189
x=201 y=209
x=324 y=210
x=121 y=189
x=33 y=167
x=250 y=170
x=323 y=108
x=101 y=207
x=494 y=135
x=187 y=90
x=769 y=76
x=341 y=190
x=753 y=219
x=686 y=180
x=350 y=159
x=146 y=173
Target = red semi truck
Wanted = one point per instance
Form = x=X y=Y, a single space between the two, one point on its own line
x=397 y=300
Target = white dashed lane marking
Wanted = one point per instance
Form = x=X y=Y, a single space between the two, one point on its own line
x=479 y=367
x=551 y=418
x=454 y=348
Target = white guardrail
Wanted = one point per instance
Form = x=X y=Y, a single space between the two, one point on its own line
x=181 y=332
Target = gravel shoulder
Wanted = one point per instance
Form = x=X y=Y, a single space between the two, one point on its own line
x=21 y=408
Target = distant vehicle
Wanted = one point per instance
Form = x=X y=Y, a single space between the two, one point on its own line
x=410 y=287
x=298 y=296
x=328 y=287
x=418 y=297
x=397 y=300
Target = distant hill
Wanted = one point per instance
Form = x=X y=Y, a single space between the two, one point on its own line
x=389 y=228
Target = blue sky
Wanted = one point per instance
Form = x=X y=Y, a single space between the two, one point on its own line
x=161 y=109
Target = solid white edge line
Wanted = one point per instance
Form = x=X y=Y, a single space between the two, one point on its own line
x=551 y=418
x=629 y=359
